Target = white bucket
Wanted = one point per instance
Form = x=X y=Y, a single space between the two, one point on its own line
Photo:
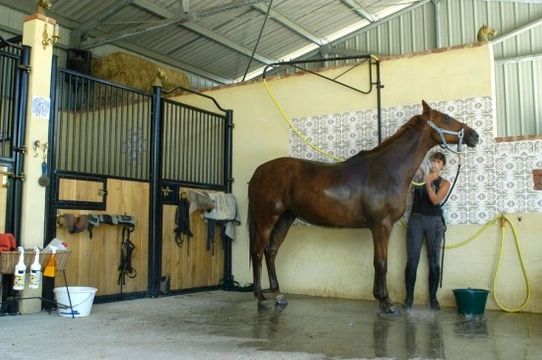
x=81 y=300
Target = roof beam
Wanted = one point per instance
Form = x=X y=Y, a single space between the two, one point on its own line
x=226 y=42
x=116 y=6
x=168 y=60
x=360 y=10
x=366 y=28
x=80 y=32
x=111 y=37
x=284 y=21
x=517 y=31
x=214 y=36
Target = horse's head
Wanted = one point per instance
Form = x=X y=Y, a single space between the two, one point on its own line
x=489 y=31
x=448 y=130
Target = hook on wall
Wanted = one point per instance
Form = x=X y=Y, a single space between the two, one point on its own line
x=38 y=146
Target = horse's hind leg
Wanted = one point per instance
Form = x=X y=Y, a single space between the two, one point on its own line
x=277 y=237
x=257 y=246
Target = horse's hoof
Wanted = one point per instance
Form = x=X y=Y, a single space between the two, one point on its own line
x=393 y=310
x=389 y=310
x=264 y=305
x=281 y=306
x=281 y=300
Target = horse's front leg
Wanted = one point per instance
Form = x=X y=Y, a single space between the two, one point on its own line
x=381 y=236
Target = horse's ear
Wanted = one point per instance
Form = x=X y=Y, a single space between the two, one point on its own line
x=426 y=107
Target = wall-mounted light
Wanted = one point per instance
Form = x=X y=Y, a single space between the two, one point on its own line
x=50 y=40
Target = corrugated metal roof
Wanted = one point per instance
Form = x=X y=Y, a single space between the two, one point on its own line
x=213 y=42
x=214 y=39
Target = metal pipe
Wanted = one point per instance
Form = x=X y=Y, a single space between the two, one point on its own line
x=379 y=86
x=295 y=62
x=228 y=180
x=51 y=190
x=19 y=141
x=155 y=210
x=438 y=42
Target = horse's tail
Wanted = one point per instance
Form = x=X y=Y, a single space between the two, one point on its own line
x=251 y=224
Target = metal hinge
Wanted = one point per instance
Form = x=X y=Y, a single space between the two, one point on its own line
x=21 y=149
x=8 y=174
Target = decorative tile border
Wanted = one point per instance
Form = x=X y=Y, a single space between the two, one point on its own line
x=495 y=177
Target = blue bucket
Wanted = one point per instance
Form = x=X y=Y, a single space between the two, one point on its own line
x=471 y=301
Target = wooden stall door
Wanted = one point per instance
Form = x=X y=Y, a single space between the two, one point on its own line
x=191 y=265
x=95 y=261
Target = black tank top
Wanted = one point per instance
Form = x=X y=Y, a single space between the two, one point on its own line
x=421 y=204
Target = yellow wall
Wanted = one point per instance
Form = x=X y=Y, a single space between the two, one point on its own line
x=327 y=262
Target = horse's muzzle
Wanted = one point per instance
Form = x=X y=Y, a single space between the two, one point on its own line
x=472 y=138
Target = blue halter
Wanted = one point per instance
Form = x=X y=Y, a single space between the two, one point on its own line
x=444 y=144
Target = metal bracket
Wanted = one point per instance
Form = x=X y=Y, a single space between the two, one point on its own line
x=21 y=149
x=26 y=68
x=9 y=174
x=166 y=191
x=102 y=192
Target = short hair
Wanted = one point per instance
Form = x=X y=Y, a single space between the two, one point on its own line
x=440 y=156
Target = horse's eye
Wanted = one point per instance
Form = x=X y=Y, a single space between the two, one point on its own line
x=447 y=119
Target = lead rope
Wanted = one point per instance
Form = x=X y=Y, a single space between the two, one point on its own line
x=182 y=220
x=126 y=251
x=444 y=222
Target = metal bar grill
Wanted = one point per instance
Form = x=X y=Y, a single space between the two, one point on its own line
x=105 y=129
x=102 y=128
x=193 y=144
x=9 y=61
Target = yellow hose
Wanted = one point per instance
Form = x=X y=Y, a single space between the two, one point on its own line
x=503 y=218
x=294 y=128
x=527 y=283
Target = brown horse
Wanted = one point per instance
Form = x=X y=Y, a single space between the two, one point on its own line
x=368 y=190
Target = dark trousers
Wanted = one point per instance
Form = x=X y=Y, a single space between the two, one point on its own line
x=430 y=228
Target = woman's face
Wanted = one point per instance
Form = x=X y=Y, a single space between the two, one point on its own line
x=437 y=164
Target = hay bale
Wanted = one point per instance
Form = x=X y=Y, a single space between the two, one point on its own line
x=135 y=72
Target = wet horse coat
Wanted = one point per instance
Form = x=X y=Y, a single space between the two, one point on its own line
x=368 y=190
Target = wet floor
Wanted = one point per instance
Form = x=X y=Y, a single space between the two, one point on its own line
x=227 y=325
x=354 y=329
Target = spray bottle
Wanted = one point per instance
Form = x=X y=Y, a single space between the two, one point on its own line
x=35 y=271
x=50 y=268
x=20 y=272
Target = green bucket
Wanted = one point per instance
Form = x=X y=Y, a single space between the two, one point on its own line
x=471 y=301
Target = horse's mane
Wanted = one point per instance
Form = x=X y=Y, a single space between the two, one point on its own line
x=405 y=127
x=410 y=125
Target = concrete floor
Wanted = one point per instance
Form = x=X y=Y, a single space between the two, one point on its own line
x=227 y=325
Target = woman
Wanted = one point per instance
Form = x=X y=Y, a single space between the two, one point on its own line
x=426 y=221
